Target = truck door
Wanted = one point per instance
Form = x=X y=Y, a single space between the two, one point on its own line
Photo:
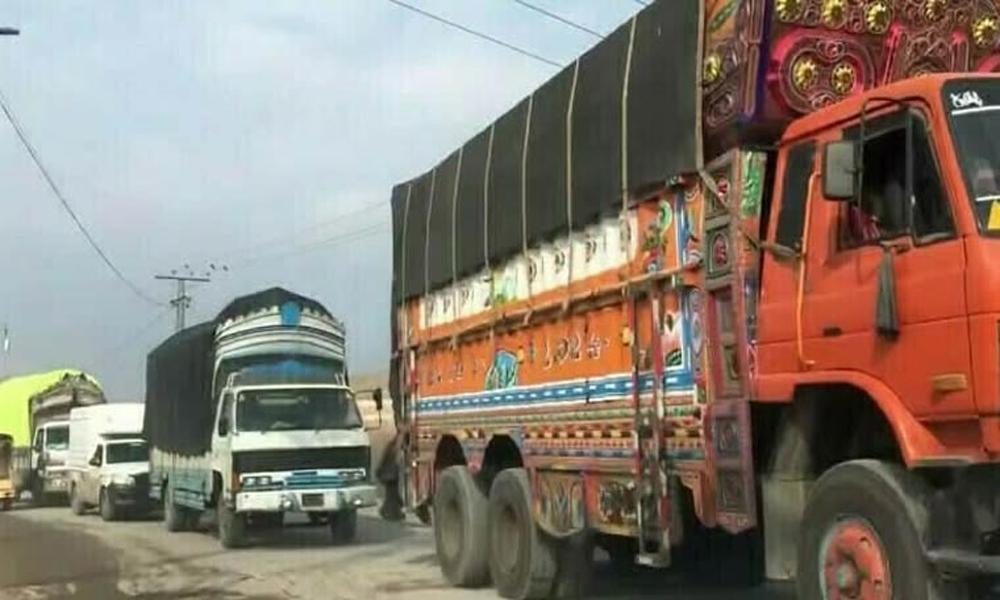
x=38 y=450
x=92 y=481
x=221 y=438
x=852 y=244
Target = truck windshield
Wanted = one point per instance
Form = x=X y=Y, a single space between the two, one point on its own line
x=973 y=107
x=265 y=369
x=57 y=438
x=127 y=452
x=296 y=409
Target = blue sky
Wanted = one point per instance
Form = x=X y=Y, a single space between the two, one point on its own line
x=244 y=132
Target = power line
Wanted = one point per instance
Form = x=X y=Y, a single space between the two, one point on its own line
x=559 y=18
x=478 y=34
x=65 y=204
x=133 y=337
x=282 y=240
x=641 y=3
x=334 y=240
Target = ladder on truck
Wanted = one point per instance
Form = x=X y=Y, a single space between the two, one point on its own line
x=722 y=379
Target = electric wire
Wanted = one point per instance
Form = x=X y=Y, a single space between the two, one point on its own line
x=559 y=18
x=473 y=32
x=12 y=119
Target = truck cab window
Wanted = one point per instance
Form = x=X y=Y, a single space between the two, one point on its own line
x=882 y=210
x=794 y=193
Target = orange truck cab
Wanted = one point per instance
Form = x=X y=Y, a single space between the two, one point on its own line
x=721 y=296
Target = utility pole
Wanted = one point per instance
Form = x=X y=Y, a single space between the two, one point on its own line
x=5 y=333
x=182 y=301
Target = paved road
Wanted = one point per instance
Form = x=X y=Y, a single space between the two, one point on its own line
x=49 y=553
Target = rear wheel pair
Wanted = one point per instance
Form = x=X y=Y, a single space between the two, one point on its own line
x=480 y=539
x=175 y=516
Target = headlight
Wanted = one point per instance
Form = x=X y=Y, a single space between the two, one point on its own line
x=257 y=481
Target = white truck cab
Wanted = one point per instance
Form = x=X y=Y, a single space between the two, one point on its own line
x=49 y=453
x=292 y=448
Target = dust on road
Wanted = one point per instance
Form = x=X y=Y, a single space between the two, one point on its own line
x=49 y=553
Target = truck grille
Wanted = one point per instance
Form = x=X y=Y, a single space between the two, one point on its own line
x=298 y=459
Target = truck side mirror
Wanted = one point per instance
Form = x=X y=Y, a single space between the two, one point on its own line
x=95 y=460
x=840 y=168
x=377 y=397
x=223 y=426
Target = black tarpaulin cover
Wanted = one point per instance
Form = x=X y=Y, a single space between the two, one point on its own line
x=439 y=228
x=470 y=212
x=180 y=410
x=655 y=135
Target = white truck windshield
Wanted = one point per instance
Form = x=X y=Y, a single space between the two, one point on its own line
x=127 y=452
x=296 y=409
x=57 y=438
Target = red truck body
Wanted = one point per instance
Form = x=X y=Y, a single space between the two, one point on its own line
x=790 y=342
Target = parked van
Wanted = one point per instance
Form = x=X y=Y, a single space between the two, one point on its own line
x=108 y=460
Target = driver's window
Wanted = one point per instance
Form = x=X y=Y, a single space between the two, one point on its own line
x=98 y=458
x=881 y=212
x=39 y=440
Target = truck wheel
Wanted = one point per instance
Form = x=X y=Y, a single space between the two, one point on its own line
x=6 y=505
x=522 y=563
x=861 y=536
x=38 y=498
x=76 y=503
x=175 y=516
x=107 y=508
x=460 y=528
x=343 y=526
x=232 y=526
x=575 y=561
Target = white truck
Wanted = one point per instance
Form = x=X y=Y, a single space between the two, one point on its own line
x=34 y=410
x=251 y=414
x=108 y=460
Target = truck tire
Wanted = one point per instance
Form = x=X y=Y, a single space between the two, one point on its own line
x=175 y=517
x=575 y=564
x=75 y=502
x=6 y=505
x=38 y=499
x=343 y=526
x=861 y=535
x=232 y=527
x=107 y=508
x=522 y=563
x=460 y=528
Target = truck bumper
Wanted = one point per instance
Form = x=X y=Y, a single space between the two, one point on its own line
x=56 y=483
x=129 y=496
x=322 y=500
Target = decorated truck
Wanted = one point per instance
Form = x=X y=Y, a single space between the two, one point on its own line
x=34 y=412
x=251 y=414
x=727 y=281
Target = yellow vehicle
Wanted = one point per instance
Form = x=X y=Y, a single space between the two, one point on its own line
x=6 y=485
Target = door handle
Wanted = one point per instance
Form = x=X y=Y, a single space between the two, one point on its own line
x=832 y=331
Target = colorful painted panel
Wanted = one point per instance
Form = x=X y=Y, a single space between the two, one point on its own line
x=767 y=62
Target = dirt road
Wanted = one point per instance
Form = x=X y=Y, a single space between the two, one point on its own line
x=49 y=553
